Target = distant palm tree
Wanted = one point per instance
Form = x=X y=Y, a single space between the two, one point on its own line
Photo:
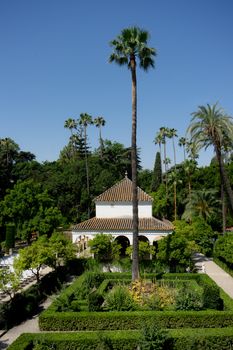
x=173 y=179
x=183 y=143
x=158 y=141
x=164 y=132
x=99 y=122
x=129 y=48
x=201 y=203
x=189 y=168
x=71 y=124
x=172 y=133
x=85 y=120
x=192 y=150
x=9 y=148
x=211 y=126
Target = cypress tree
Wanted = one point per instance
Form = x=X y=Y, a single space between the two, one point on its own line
x=10 y=236
x=157 y=173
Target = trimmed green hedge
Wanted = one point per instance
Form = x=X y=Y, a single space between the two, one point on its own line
x=78 y=321
x=182 y=339
x=72 y=321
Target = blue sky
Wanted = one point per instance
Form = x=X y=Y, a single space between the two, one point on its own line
x=54 y=65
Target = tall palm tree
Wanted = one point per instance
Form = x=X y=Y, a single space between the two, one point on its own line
x=189 y=168
x=130 y=48
x=99 y=122
x=192 y=150
x=164 y=133
x=158 y=141
x=174 y=180
x=172 y=133
x=85 y=120
x=211 y=126
x=71 y=124
x=9 y=149
x=183 y=143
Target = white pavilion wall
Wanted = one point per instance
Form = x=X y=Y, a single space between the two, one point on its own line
x=122 y=210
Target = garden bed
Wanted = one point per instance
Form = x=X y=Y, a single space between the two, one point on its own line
x=51 y=320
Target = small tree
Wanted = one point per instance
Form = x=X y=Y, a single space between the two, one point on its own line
x=176 y=251
x=144 y=249
x=105 y=248
x=9 y=282
x=61 y=250
x=33 y=257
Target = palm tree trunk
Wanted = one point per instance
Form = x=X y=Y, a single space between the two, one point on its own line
x=174 y=151
x=223 y=210
x=184 y=153
x=87 y=172
x=135 y=257
x=165 y=164
x=224 y=178
x=175 y=206
x=101 y=143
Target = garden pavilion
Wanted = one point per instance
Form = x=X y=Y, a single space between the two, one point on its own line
x=114 y=215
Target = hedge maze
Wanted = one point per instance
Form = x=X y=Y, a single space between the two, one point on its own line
x=80 y=314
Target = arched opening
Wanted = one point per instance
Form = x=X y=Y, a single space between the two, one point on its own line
x=143 y=239
x=124 y=242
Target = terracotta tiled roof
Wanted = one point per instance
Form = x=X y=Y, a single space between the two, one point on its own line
x=122 y=192
x=99 y=224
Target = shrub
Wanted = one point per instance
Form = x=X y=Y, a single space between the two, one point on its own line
x=189 y=300
x=91 y=281
x=153 y=338
x=150 y=295
x=119 y=299
x=211 y=294
x=95 y=301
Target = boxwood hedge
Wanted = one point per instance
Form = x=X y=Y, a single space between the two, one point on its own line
x=182 y=339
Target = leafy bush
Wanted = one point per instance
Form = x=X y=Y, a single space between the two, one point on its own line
x=95 y=301
x=189 y=300
x=150 y=296
x=90 y=281
x=66 y=302
x=119 y=299
x=153 y=338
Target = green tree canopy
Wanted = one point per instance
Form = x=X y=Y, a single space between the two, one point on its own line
x=31 y=209
x=104 y=248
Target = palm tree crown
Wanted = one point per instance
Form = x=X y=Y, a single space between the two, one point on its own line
x=202 y=203
x=132 y=43
x=210 y=125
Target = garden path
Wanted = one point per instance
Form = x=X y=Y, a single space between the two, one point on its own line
x=29 y=326
x=220 y=277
